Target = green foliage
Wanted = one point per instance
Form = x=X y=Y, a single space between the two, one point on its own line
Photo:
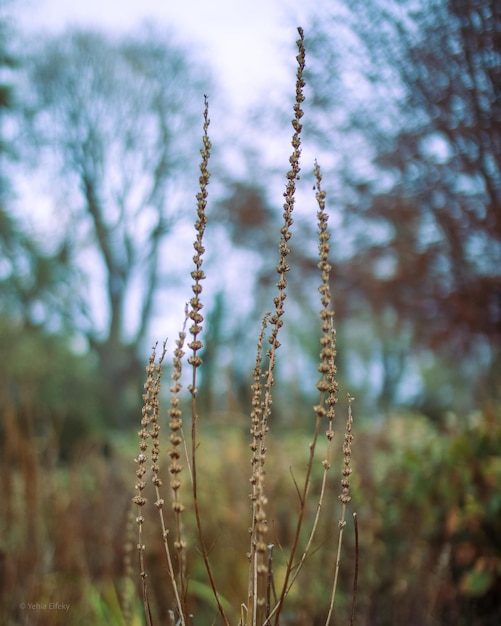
x=48 y=387
x=432 y=512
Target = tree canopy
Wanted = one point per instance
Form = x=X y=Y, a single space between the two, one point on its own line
x=420 y=87
x=114 y=124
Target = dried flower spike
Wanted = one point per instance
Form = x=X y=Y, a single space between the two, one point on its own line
x=347 y=470
x=197 y=274
x=327 y=367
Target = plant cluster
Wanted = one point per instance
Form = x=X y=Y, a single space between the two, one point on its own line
x=266 y=593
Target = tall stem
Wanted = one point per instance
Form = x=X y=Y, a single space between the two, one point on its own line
x=196 y=344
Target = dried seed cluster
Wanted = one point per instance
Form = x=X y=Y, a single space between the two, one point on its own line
x=258 y=427
x=150 y=401
x=258 y=431
x=144 y=434
x=198 y=274
x=327 y=367
x=347 y=470
x=176 y=440
x=176 y=422
x=289 y=195
x=155 y=428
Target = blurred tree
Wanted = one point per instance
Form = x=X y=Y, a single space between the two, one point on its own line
x=7 y=61
x=33 y=281
x=115 y=123
x=45 y=389
x=7 y=64
x=35 y=285
x=420 y=182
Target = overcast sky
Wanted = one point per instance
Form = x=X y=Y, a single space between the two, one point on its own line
x=247 y=42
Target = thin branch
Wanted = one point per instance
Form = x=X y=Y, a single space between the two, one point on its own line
x=355 y=577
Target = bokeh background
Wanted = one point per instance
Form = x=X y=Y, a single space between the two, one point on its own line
x=101 y=123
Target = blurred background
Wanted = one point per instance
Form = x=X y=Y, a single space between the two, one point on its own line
x=100 y=130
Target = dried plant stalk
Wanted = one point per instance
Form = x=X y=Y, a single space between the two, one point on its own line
x=176 y=438
x=258 y=613
x=157 y=482
x=258 y=498
x=328 y=388
x=261 y=591
x=151 y=430
x=345 y=499
x=139 y=500
x=196 y=344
